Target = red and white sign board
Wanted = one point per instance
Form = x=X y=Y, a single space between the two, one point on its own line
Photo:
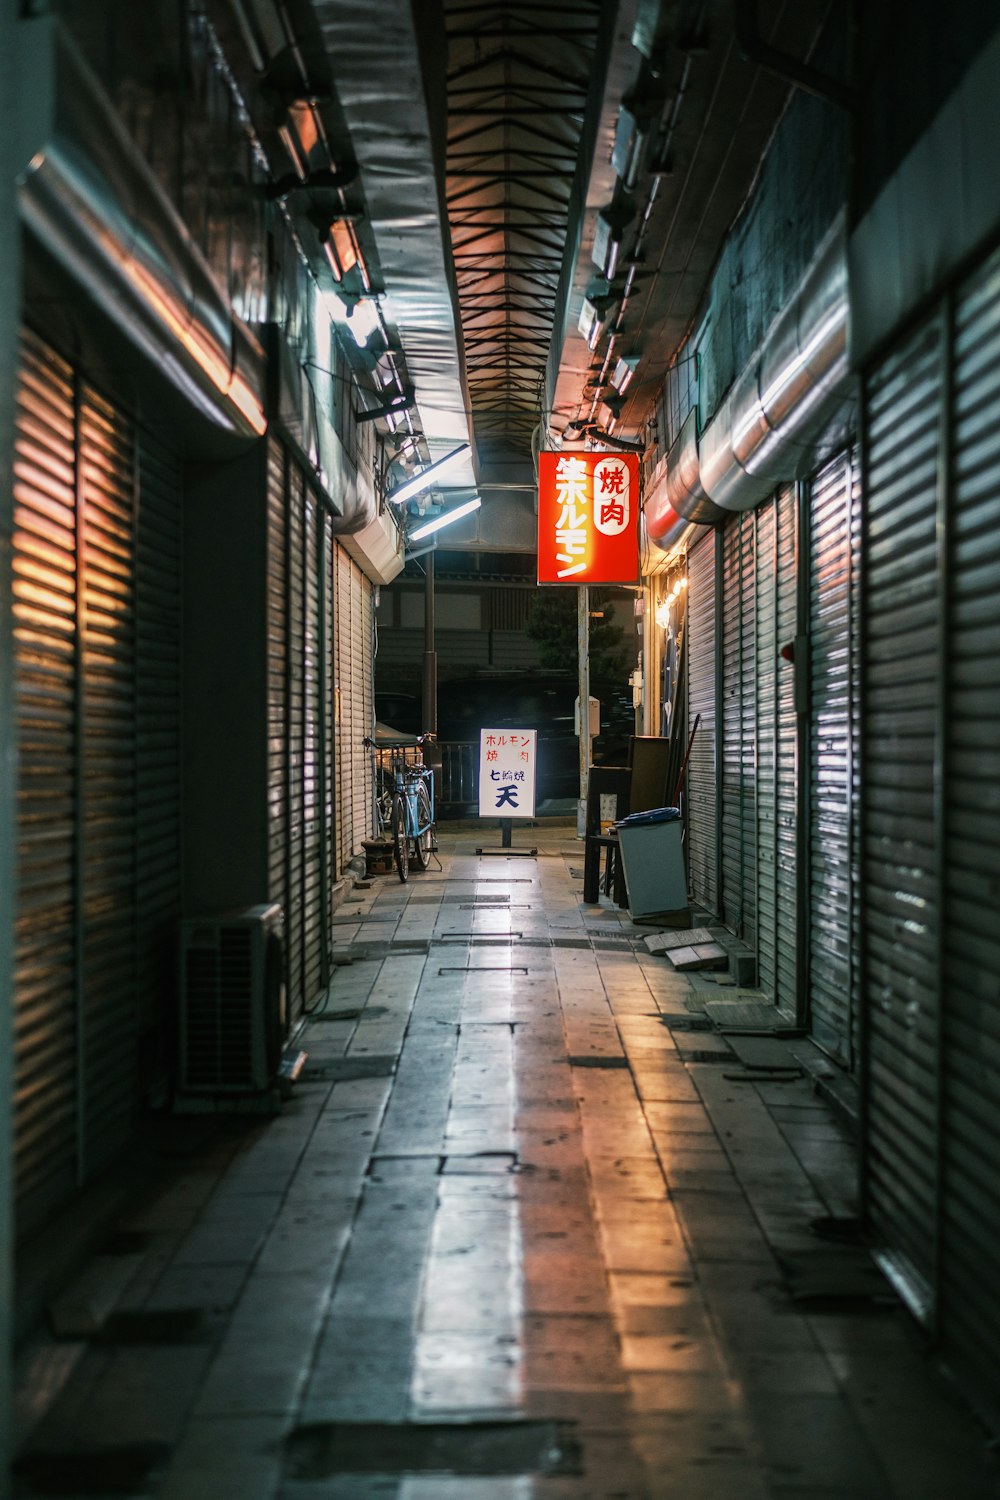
x=507 y=773
x=588 y=518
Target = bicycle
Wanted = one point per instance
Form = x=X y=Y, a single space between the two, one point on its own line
x=405 y=802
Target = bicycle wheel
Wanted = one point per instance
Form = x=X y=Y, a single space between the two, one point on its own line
x=422 y=841
x=383 y=800
x=400 y=841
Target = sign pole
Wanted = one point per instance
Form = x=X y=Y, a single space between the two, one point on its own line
x=583 y=661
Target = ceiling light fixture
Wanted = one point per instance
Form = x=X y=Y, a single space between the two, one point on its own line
x=339 y=248
x=623 y=373
x=428 y=476
x=591 y=322
x=358 y=314
x=445 y=519
x=607 y=245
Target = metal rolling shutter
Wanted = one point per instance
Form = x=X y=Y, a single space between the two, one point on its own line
x=834 y=518
x=45 y=673
x=327 y=710
x=109 y=781
x=299 y=697
x=158 y=755
x=901 y=915
x=355 y=657
x=703 y=871
x=787 y=915
x=313 y=927
x=277 y=679
x=971 y=932
x=295 y=700
x=766 y=739
x=739 y=813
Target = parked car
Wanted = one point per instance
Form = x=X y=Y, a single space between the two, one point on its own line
x=543 y=701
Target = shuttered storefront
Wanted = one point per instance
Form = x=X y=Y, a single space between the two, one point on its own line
x=970 y=1290
x=703 y=862
x=96 y=637
x=787 y=768
x=775 y=738
x=158 y=747
x=301 y=653
x=765 y=738
x=833 y=727
x=738 y=730
x=108 y=792
x=901 y=919
x=355 y=697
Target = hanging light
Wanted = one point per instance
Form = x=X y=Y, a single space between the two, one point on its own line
x=428 y=476
x=445 y=519
x=339 y=248
x=623 y=372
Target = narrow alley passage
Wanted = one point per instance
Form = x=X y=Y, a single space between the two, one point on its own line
x=526 y=1228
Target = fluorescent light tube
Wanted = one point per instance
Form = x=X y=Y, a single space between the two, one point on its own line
x=429 y=527
x=428 y=476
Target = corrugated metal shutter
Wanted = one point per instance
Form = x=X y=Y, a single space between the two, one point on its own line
x=739 y=812
x=45 y=674
x=277 y=678
x=313 y=925
x=971 y=931
x=96 y=647
x=295 y=701
x=158 y=749
x=703 y=864
x=766 y=739
x=356 y=705
x=901 y=911
x=787 y=915
x=328 y=721
x=109 y=782
x=300 y=723
x=776 y=739
x=833 y=581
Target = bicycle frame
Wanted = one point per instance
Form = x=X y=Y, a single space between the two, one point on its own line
x=406 y=804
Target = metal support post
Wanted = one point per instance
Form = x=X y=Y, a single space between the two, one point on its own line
x=583 y=657
x=429 y=715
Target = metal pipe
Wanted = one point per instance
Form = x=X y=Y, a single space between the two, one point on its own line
x=430 y=654
x=583 y=671
x=800 y=74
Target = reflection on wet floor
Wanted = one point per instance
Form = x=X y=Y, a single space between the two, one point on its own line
x=528 y=1228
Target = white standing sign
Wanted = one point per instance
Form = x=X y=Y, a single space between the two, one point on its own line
x=507 y=773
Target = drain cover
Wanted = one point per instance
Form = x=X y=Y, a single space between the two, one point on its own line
x=615 y=1061
x=346 y=1069
x=468 y=1448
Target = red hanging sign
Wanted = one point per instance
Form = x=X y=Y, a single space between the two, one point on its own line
x=588 y=514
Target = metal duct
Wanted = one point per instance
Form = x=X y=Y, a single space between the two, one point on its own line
x=676 y=505
x=91 y=201
x=392 y=105
x=765 y=431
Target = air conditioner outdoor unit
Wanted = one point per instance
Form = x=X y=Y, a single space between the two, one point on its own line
x=232 y=1001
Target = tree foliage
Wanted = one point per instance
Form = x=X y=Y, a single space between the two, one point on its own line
x=552 y=625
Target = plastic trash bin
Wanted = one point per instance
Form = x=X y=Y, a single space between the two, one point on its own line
x=652 y=858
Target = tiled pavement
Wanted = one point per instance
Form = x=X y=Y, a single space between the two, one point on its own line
x=520 y=1233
